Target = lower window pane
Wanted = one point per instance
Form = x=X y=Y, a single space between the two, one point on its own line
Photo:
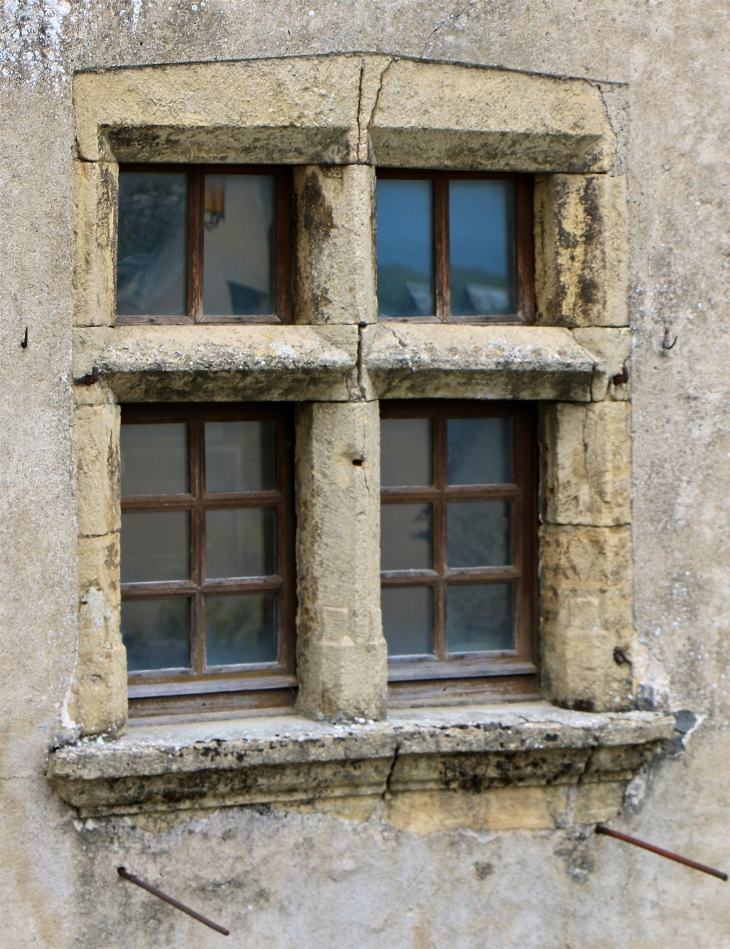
x=241 y=542
x=156 y=633
x=405 y=537
x=155 y=546
x=480 y=618
x=479 y=533
x=240 y=629
x=407 y=620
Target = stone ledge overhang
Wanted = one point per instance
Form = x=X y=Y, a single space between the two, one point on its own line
x=290 y=760
x=343 y=108
x=220 y=361
x=427 y=360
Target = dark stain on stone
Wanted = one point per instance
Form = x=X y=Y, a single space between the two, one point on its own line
x=483 y=870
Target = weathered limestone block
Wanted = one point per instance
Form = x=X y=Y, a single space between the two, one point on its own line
x=612 y=351
x=335 y=253
x=95 y=228
x=581 y=250
x=96 y=443
x=585 y=580
x=436 y=360
x=434 y=115
x=586 y=461
x=342 y=656
x=100 y=686
x=224 y=362
x=292 y=110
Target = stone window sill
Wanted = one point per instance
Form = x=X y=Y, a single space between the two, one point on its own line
x=290 y=761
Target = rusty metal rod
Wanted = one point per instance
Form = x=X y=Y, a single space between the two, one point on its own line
x=600 y=829
x=168 y=899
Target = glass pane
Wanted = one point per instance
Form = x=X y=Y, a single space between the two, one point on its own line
x=154 y=459
x=481 y=232
x=152 y=250
x=240 y=456
x=156 y=633
x=239 y=245
x=155 y=546
x=479 y=533
x=240 y=629
x=405 y=452
x=479 y=618
x=240 y=542
x=407 y=620
x=479 y=450
x=405 y=537
x=405 y=248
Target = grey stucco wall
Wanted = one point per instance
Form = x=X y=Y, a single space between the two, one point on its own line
x=309 y=880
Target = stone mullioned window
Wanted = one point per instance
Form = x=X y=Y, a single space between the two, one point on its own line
x=334 y=120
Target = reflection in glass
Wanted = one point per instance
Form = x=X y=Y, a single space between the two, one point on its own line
x=152 y=268
x=240 y=629
x=240 y=456
x=405 y=247
x=479 y=533
x=405 y=537
x=154 y=459
x=240 y=542
x=479 y=450
x=239 y=245
x=407 y=620
x=156 y=633
x=481 y=232
x=405 y=452
x=479 y=618
x=155 y=546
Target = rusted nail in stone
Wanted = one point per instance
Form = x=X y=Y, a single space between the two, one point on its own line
x=24 y=341
x=620 y=657
x=622 y=378
x=89 y=379
x=665 y=342
x=168 y=899
x=600 y=829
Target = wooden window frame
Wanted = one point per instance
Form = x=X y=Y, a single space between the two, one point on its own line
x=283 y=309
x=471 y=676
x=524 y=245
x=257 y=685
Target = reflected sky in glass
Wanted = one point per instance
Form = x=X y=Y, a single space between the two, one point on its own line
x=481 y=226
x=405 y=247
x=152 y=273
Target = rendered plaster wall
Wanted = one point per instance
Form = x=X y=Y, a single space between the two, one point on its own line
x=312 y=879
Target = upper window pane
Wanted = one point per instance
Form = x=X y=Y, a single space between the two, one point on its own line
x=479 y=450
x=482 y=258
x=405 y=248
x=240 y=456
x=239 y=245
x=152 y=273
x=154 y=459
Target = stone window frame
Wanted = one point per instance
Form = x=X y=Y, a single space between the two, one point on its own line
x=334 y=118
